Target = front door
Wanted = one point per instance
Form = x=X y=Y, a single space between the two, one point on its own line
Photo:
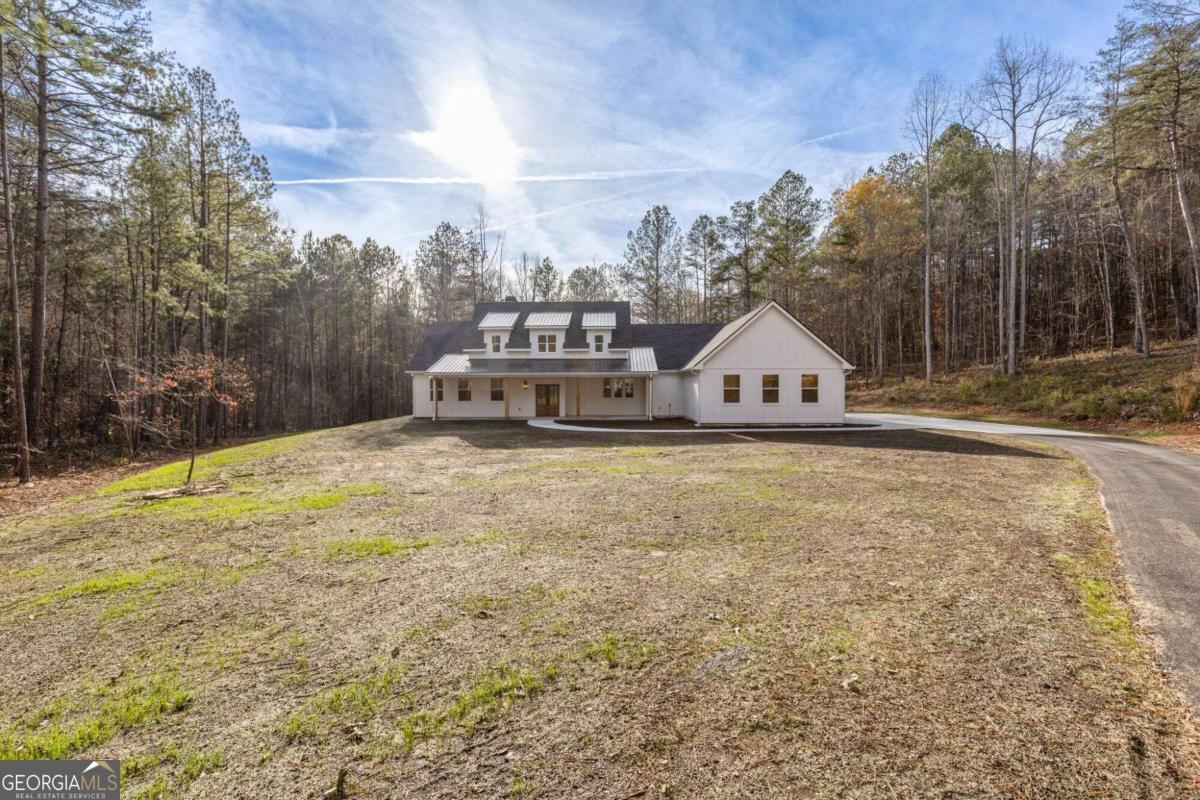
x=547 y=399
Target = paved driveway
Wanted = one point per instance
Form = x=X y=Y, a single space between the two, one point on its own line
x=1153 y=498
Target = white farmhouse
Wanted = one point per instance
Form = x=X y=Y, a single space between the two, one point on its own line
x=517 y=360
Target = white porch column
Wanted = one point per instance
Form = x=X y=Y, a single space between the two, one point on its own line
x=433 y=391
x=650 y=398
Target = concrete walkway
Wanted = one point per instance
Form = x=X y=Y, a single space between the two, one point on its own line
x=1152 y=494
x=549 y=424
x=857 y=423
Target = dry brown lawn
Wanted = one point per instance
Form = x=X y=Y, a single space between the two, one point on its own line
x=487 y=610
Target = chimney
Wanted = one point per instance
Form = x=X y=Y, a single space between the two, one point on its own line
x=510 y=299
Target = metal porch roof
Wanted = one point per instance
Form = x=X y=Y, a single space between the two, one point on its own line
x=640 y=361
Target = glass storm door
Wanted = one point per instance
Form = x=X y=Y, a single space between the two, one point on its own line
x=547 y=399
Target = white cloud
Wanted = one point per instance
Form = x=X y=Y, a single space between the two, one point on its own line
x=383 y=117
x=313 y=141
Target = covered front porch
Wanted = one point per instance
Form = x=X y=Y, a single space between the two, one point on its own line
x=612 y=396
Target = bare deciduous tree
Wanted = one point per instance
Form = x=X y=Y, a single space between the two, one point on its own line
x=927 y=113
x=1022 y=97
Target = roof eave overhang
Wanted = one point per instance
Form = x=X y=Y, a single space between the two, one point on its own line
x=623 y=374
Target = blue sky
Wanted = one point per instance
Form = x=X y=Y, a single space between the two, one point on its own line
x=568 y=121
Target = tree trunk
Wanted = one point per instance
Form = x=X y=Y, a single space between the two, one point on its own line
x=928 y=277
x=41 y=236
x=1141 y=337
x=24 y=469
x=1189 y=221
x=1011 y=294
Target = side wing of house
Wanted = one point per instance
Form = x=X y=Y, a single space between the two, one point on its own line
x=768 y=368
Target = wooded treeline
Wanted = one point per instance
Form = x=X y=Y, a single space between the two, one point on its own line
x=1044 y=208
x=143 y=248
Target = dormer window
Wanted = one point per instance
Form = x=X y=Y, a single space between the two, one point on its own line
x=547 y=342
x=495 y=343
x=598 y=340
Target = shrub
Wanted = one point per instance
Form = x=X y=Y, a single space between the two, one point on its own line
x=1186 y=388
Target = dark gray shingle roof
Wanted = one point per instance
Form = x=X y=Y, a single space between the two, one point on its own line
x=674 y=345
x=576 y=336
x=442 y=338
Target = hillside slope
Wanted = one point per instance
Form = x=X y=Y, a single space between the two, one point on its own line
x=1089 y=389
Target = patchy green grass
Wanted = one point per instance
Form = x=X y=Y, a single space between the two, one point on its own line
x=207 y=465
x=373 y=546
x=114 y=581
x=223 y=508
x=485 y=699
x=176 y=771
x=24 y=573
x=230 y=576
x=109 y=710
x=1077 y=499
x=354 y=700
x=490 y=536
x=1103 y=606
x=481 y=605
x=613 y=651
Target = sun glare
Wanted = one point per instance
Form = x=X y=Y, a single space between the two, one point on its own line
x=470 y=136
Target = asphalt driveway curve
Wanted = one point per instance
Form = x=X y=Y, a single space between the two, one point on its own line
x=1152 y=494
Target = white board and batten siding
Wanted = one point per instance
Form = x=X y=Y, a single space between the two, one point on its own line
x=481 y=405
x=772 y=343
x=768 y=341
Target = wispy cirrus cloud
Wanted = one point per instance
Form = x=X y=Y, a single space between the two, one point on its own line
x=301 y=139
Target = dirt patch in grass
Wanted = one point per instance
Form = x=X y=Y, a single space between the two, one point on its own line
x=499 y=611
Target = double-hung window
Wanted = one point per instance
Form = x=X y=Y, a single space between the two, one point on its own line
x=618 y=387
x=464 y=390
x=810 y=388
x=770 y=388
x=495 y=343
x=497 y=390
x=547 y=342
x=435 y=389
x=732 y=388
x=599 y=342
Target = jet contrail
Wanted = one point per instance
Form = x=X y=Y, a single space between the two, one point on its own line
x=604 y=198
x=836 y=134
x=606 y=175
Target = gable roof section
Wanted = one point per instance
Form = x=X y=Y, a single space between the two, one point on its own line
x=730 y=331
x=674 y=344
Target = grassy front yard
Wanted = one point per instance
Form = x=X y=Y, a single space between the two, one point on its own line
x=490 y=610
